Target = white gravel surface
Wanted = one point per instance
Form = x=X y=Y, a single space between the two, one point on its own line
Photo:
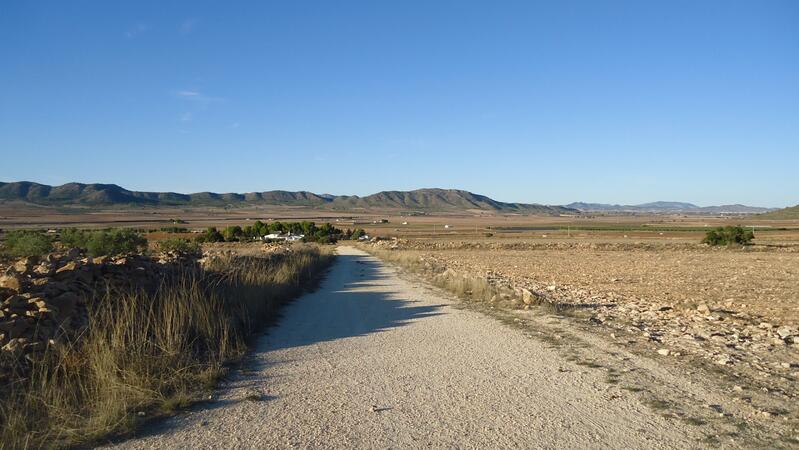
x=371 y=360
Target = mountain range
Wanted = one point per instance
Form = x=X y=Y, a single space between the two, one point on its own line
x=78 y=194
x=668 y=207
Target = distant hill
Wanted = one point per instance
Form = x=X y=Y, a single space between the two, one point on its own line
x=77 y=194
x=441 y=199
x=668 y=207
x=785 y=213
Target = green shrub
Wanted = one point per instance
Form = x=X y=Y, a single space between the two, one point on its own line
x=74 y=238
x=232 y=233
x=728 y=236
x=115 y=242
x=211 y=234
x=177 y=245
x=22 y=243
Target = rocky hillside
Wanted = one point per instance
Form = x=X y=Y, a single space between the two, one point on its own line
x=441 y=199
x=77 y=194
x=783 y=214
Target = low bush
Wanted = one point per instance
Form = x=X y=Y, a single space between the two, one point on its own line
x=729 y=236
x=21 y=243
x=178 y=245
x=211 y=234
x=116 y=241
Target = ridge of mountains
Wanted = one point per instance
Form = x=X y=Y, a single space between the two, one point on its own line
x=79 y=194
x=434 y=199
x=668 y=207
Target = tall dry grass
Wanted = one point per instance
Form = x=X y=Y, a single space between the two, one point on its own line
x=146 y=354
x=466 y=286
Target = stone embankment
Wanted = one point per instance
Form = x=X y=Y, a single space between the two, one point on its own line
x=45 y=301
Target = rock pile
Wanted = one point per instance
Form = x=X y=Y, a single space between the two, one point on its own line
x=45 y=300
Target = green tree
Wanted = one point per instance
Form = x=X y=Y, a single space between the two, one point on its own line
x=232 y=233
x=211 y=234
x=729 y=235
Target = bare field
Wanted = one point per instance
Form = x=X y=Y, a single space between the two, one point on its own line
x=731 y=312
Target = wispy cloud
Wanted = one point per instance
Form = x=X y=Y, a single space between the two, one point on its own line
x=197 y=96
x=136 y=30
x=188 y=25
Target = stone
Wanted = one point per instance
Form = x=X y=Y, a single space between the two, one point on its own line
x=527 y=297
x=45 y=269
x=11 y=282
x=66 y=271
x=703 y=308
x=724 y=360
x=784 y=332
x=23 y=265
x=664 y=352
x=15 y=346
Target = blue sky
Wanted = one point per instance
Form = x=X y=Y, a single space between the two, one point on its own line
x=550 y=102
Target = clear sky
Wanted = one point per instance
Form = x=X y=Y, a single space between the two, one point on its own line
x=548 y=101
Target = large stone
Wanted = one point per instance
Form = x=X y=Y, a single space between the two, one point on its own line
x=66 y=271
x=23 y=265
x=11 y=282
x=45 y=269
x=527 y=297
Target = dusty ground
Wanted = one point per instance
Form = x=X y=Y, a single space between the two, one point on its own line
x=373 y=360
x=730 y=312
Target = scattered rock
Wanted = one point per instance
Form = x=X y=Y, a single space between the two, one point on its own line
x=11 y=282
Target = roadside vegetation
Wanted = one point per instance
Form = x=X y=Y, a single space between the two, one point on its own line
x=144 y=353
x=323 y=234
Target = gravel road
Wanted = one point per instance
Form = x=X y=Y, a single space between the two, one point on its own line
x=374 y=360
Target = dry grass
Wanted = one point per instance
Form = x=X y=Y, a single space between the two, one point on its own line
x=146 y=354
x=467 y=287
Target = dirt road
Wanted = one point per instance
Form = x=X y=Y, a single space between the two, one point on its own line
x=373 y=360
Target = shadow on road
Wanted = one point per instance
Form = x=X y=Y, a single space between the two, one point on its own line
x=355 y=299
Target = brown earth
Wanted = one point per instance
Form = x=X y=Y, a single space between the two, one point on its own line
x=731 y=312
